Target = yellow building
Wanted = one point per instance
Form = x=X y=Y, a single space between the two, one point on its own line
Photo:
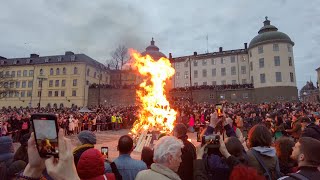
x=56 y=81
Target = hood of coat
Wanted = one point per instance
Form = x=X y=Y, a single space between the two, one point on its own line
x=161 y=169
x=267 y=151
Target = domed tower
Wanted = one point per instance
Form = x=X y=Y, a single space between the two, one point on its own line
x=153 y=51
x=271 y=64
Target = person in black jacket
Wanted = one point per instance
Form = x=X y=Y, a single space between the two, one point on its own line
x=185 y=170
x=310 y=129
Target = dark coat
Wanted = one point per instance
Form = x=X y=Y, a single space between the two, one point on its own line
x=296 y=129
x=185 y=170
x=308 y=172
x=312 y=130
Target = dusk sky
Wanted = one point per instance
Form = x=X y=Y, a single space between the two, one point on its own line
x=97 y=27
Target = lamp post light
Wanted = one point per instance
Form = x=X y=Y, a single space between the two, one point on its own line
x=41 y=78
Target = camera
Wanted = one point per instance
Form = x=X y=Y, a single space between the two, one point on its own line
x=213 y=140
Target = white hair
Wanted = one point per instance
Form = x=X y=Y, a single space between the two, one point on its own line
x=165 y=147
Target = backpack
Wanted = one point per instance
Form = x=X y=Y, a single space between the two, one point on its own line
x=269 y=175
x=298 y=176
x=25 y=126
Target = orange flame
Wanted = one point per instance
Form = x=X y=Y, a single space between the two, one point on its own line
x=155 y=112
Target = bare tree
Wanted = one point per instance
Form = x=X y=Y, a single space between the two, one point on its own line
x=119 y=57
x=7 y=82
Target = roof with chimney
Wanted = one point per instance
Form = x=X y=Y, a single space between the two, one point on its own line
x=35 y=59
x=153 y=51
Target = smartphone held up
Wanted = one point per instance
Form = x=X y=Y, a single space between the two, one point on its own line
x=45 y=129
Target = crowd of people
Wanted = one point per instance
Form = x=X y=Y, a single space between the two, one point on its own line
x=214 y=87
x=239 y=141
x=109 y=86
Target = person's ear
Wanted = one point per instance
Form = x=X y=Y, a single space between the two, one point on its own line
x=301 y=157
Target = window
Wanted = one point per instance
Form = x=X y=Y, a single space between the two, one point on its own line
x=260 y=49
x=261 y=63
x=63 y=83
x=10 y=94
x=277 y=61
x=31 y=72
x=222 y=60
x=74 y=93
x=275 y=47
x=195 y=84
x=233 y=59
x=223 y=71
x=290 y=61
x=30 y=84
x=18 y=84
x=16 y=94
x=25 y=73
x=214 y=72
x=250 y=53
x=50 y=83
x=73 y=58
x=262 y=78
x=11 y=84
x=57 y=83
x=62 y=93
x=95 y=74
x=58 y=71
x=233 y=70
x=289 y=48
x=74 y=82
x=29 y=93
x=24 y=84
x=211 y=96
x=195 y=63
x=186 y=74
x=245 y=95
x=234 y=81
x=59 y=59
x=214 y=83
x=186 y=84
x=195 y=74
x=40 y=84
x=56 y=93
x=186 y=64
x=28 y=61
x=51 y=71
x=75 y=70
x=291 y=77
x=243 y=70
x=22 y=94
x=223 y=82
x=39 y=93
x=13 y=74
x=213 y=62
x=251 y=66
x=244 y=81
x=252 y=79
x=204 y=73
x=204 y=62
x=50 y=93
x=19 y=73
x=41 y=71
x=177 y=75
x=204 y=83
x=278 y=77
x=88 y=72
x=46 y=60
x=7 y=73
x=64 y=71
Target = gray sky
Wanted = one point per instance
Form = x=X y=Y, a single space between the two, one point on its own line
x=97 y=27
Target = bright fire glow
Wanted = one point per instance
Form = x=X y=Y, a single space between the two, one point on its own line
x=155 y=112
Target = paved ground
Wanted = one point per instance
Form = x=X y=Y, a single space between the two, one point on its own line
x=110 y=140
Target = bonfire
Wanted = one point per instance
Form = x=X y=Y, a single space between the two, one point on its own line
x=155 y=113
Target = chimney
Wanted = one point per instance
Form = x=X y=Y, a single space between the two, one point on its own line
x=195 y=53
x=220 y=49
x=246 y=45
x=69 y=53
x=170 y=56
x=34 y=55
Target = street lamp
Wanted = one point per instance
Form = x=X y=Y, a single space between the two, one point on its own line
x=190 y=86
x=41 y=78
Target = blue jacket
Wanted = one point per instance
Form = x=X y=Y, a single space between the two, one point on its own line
x=128 y=167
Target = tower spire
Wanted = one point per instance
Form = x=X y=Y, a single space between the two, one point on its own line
x=152 y=41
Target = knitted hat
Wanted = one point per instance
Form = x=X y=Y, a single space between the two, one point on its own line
x=87 y=137
x=91 y=164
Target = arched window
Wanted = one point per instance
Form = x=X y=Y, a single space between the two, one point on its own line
x=55 y=105
x=75 y=70
x=51 y=71
x=61 y=105
x=64 y=71
x=41 y=71
x=58 y=71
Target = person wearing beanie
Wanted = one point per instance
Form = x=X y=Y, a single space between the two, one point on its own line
x=306 y=153
x=86 y=140
x=185 y=170
x=91 y=166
